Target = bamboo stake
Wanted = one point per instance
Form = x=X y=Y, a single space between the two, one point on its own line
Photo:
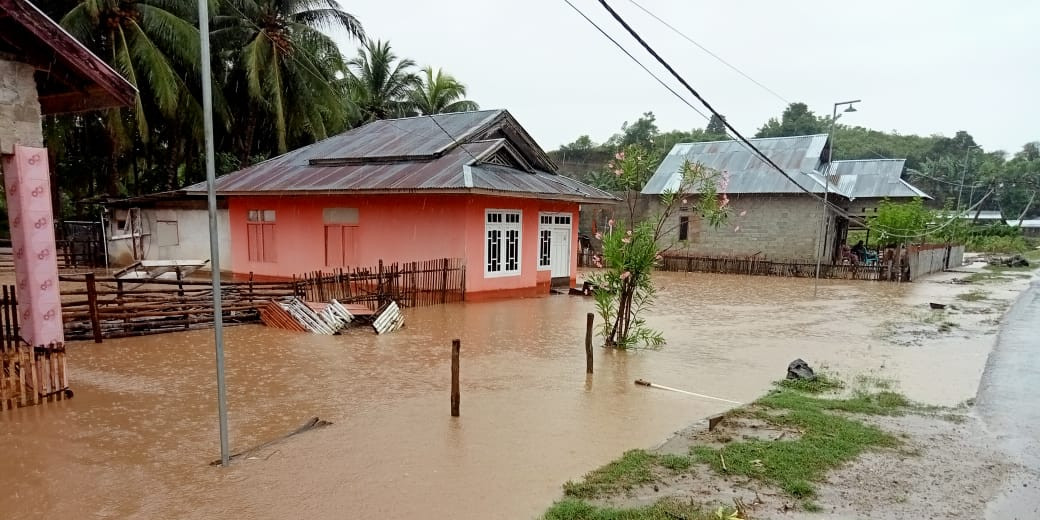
x=643 y=382
x=456 y=398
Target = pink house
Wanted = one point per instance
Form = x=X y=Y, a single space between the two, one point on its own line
x=471 y=185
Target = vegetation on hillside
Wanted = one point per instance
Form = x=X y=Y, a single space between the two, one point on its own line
x=935 y=163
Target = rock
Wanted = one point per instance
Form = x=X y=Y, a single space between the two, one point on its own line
x=799 y=369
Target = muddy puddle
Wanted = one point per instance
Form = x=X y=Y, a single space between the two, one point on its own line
x=136 y=440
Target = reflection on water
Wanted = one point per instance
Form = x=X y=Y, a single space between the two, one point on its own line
x=136 y=440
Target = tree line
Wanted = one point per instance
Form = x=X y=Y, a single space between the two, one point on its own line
x=279 y=82
x=934 y=163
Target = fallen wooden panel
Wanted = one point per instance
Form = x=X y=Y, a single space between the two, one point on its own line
x=389 y=319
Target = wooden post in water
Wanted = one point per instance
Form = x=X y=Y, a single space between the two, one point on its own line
x=456 y=345
x=589 y=319
x=95 y=323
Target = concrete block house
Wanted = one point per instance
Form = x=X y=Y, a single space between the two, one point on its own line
x=469 y=185
x=772 y=216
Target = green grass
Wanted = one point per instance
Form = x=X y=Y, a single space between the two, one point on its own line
x=675 y=462
x=633 y=468
x=827 y=440
x=868 y=381
x=973 y=295
x=818 y=385
x=811 y=506
x=665 y=509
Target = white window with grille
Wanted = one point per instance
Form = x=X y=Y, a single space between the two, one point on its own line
x=502 y=242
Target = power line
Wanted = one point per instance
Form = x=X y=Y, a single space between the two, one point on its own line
x=636 y=60
x=758 y=153
x=712 y=54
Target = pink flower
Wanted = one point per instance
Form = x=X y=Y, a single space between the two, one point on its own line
x=659 y=257
x=742 y=213
x=684 y=201
x=599 y=236
x=620 y=156
x=598 y=263
x=610 y=223
x=724 y=202
x=626 y=240
x=625 y=275
x=736 y=228
x=629 y=232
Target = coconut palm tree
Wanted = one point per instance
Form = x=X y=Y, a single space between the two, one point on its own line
x=439 y=92
x=380 y=84
x=154 y=44
x=276 y=54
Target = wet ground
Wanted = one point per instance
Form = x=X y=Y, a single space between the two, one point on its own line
x=136 y=440
x=1008 y=403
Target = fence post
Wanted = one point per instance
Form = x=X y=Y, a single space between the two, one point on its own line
x=589 y=319
x=379 y=285
x=444 y=280
x=95 y=323
x=456 y=345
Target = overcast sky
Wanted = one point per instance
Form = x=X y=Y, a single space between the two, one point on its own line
x=923 y=67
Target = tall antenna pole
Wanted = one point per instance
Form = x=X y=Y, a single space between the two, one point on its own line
x=214 y=243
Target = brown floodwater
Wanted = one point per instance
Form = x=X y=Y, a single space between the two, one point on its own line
x=136 y=440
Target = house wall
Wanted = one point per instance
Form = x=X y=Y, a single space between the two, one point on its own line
x=184 y=235
x=397 y=228
x=20 y=121
x=783 y=227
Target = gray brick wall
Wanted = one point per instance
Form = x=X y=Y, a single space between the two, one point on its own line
x=20 y=121
x=780 y=227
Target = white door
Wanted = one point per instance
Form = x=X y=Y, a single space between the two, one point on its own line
x=561 y=252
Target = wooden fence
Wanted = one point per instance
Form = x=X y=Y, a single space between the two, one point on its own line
x=113 y=308
x=765 y=267
x=28 y=375
x=410 y=284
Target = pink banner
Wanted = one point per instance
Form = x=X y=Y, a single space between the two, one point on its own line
x=27 y=183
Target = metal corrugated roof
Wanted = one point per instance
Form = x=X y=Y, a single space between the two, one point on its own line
x=406 y=155
x=872 y=178
x=799 y=156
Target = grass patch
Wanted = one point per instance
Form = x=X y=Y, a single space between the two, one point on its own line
x=973 y=295
x=868 y=381
x=635 y=467
x=818 y=385
x=675 y=462
x=827 y=441
x=811 y=506
x=665 y=509
x=632 y=469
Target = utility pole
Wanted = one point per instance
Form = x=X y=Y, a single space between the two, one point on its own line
x=825 y=221
x=214 y=243
x=964 y=173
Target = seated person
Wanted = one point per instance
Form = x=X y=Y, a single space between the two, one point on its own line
x=860 y=251
x=846 y=254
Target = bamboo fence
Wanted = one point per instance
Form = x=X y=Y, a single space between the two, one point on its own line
x=28 y=374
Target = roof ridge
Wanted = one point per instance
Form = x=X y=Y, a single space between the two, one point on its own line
x=750 y=139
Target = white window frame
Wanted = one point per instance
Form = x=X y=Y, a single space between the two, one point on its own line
x=550 y=226
x=504 y=226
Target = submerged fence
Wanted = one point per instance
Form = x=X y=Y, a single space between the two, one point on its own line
x=410 y=284
x=895 y=265
x=105 y=307
x=28 y=374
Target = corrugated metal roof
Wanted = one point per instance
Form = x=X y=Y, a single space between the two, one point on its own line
x=406 y=155
x=799 y=156
x=872 y=178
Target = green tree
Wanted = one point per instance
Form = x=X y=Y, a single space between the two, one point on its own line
x=797 y=119
x=380 y=83
x=901 y=222
x=154 y=44
x=630 y=250
x=286 y=68
x=439 y=92
x=642 y=132
x=717 y=126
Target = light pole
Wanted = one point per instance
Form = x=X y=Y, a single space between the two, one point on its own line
x=964 y=172
x=822 y=246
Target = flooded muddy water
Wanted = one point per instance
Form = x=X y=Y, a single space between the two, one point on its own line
x=136 y=440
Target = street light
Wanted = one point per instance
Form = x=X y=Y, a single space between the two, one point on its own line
x=822 y=246
x=964 y=172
